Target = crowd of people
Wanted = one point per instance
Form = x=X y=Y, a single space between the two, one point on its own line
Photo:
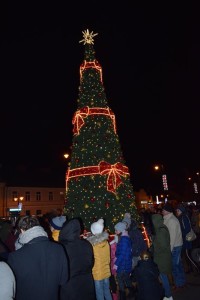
x=50 y=258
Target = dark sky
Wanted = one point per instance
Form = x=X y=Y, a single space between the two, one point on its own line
x=150 y=57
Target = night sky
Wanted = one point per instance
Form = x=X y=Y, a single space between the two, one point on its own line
x=150 y=58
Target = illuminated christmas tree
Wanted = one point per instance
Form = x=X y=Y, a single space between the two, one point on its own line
x=97 y=180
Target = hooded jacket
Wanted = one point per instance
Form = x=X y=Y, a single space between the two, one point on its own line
x=101 y=248
x=161 y=245
x=81 y=261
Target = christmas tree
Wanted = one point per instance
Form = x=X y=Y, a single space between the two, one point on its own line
x=97 y=180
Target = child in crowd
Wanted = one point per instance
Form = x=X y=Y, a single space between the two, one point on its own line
x=146 y=278
x=138 y=243
x=56 y=225
x=113 y=284
x=123 y=263
x=101 y=269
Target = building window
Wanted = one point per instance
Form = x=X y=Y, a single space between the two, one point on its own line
x=27 y=212
x=14 y=195
x=50 y=196
x=38 y=212
x=38 y=196
x=62 y=197
x=27 y=196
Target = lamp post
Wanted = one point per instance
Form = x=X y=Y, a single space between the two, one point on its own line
x=19 y=203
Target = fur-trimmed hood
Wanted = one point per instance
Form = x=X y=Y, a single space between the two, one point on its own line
x=98 y=238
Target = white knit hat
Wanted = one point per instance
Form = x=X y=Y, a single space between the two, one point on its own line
x=97 y=227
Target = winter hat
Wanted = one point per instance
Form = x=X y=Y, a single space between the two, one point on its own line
x=97 y=227
x=58 y=222
x=120 y=226
x=127 y=219
x=168 y=207
x=181 y=208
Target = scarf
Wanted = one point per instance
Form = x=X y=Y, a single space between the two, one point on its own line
x=28 y=235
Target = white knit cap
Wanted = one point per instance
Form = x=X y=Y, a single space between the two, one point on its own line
x=97 y=227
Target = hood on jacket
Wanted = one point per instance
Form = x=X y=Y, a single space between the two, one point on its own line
x=98 y=239
x=71 y=231
x=157 y=220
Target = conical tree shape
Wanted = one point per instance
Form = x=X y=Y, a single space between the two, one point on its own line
x=97 y=181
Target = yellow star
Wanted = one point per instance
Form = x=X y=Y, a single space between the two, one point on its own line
x=88 y=37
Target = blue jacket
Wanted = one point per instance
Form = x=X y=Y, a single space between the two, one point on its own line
x=185 y=228
x=124 y=255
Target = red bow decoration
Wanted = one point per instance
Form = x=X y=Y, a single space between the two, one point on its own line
x=78 y=119
x=114 y=173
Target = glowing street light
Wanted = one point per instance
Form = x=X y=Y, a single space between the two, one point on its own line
x=19 y=202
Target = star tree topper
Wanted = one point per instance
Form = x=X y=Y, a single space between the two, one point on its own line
x=88 y=37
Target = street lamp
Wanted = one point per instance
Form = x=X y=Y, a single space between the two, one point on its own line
x=19 y=202
x=66 y=155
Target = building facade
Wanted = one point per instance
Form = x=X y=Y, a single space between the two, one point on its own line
x=30 y=200
x=41 y=200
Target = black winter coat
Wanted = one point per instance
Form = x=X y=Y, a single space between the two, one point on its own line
x=146 y=275
x=40 y=267
x=81 y=260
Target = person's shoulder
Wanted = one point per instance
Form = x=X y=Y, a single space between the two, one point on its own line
x=5 y=268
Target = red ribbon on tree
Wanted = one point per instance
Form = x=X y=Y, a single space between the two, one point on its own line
x=78 y=119
x=91 y=64
x=114 y=172
x=81 y=114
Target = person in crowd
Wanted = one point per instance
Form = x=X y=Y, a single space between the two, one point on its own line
x=56 y=225
x=40 y=266
x=176 y=243
x=161 y=252
x=145 y=215
x=185 y=224
x=7 y=282
x=113 y=283
x=44 y=222
x=123 y=263
x=4 y=251
x=195 y=222
x=101 y=269
x=10 y=236
x=138 y=243
x=81 y=261
x=146 y=278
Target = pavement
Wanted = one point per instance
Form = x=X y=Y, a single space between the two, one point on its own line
x=192 y=289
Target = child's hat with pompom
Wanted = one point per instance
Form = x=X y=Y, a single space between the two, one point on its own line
x=97 y=227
